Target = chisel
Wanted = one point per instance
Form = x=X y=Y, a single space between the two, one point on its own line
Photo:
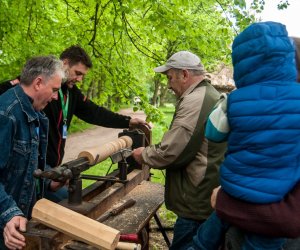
x=127 y=204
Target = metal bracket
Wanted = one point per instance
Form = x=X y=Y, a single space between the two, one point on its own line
x=121 y=155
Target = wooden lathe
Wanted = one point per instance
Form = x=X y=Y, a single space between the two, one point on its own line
x=127 y=192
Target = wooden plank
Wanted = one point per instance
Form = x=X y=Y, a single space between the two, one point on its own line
x=75 y=225
x=149 y=197
x=104 y=200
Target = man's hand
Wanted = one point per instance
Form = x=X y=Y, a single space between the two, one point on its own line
x=12 y=237
x=55 y=185
x=137 y=155
x=213 y=197
x=15 y=82
x=135 y=122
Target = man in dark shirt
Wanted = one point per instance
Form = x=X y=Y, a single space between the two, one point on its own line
x=71 y=101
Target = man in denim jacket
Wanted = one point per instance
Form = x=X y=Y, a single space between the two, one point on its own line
x=23 y=142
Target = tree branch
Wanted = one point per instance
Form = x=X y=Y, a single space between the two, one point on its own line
x=228 y=19
x=96 y=53
x=29 y=24
x=136 y=44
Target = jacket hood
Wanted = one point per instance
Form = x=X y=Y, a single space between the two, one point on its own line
x=263 y=52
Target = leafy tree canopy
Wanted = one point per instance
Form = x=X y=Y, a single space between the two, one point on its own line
x=125 y=38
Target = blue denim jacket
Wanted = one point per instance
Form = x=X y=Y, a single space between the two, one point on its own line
x=23 y=143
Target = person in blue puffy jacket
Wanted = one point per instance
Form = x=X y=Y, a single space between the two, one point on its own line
x=262 y=161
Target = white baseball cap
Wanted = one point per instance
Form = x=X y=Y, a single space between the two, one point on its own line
x=181 y=60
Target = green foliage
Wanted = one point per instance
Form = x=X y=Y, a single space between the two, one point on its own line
x=240 y=3
x=160 y=128
x=126 y=39
x=258 y=5
x=283 y=4
x=78 y=125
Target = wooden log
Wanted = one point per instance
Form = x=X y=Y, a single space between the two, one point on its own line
x=104 y=151
x=128 y=246
x=75 y=225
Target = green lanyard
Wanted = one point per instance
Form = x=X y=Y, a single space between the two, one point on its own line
x=64 y=105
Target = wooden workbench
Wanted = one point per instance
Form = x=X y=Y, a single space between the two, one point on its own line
x=149 y=197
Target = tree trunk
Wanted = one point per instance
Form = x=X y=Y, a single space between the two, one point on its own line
x=163 y=95
x=90 y=90
x=154 y=99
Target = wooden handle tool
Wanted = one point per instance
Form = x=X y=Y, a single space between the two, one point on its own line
x=127 y=204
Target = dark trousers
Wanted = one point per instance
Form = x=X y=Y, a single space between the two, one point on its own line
x=211 y=233
x=56 y=196
x=235 y=239
x=184 y=230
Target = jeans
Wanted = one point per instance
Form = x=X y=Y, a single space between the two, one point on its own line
x=56 y=196
x=184 y=230
x=292 y=244
x=210 y=236
x=257 y=242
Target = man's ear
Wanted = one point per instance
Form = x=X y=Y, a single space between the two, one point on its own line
x=65 y=62
x=66 y=65
x=37 y=82
x=185 y=73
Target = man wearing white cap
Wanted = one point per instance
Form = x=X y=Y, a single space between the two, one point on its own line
x=191 y=161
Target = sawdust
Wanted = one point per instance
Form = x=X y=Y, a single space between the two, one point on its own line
x=148 y=197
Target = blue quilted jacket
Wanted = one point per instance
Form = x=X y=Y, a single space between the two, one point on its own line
x=262 y=162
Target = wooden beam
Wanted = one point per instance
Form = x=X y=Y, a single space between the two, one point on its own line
x=75 y=225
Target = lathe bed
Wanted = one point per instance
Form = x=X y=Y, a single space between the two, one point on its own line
x=101 y=197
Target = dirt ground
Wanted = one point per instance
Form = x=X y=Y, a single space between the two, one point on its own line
x=96 y=136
